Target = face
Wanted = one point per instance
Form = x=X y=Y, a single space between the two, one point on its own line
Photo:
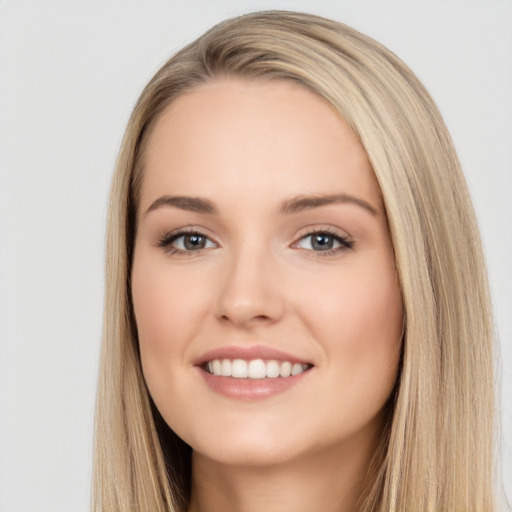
x=265 y=296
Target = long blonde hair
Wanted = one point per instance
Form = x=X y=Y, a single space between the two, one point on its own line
x=436 y=452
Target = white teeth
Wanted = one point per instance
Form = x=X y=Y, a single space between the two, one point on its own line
x=286 y=369
x=273 y=369
x=254 y=369
x=217 y=367
x=239 y=369
x=226 y=368
x=297 y=368
x=257 y=369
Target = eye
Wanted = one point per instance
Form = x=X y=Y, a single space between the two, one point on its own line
x=324 y=241
x=185 y=241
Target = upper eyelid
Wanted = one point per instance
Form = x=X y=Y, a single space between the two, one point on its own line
x=345 y=241
x=310 y=231
x=329 y=230
x=173 y=235
x=169 y=238
x=166 y=241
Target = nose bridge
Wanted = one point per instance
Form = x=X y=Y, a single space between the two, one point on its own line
x=249 y=290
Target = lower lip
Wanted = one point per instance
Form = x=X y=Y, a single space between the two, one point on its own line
x=251 y=389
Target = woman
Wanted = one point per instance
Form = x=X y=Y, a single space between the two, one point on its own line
x=297 y=311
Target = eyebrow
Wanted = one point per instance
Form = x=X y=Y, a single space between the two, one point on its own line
x=301 y=203
x=294 y=205
x=190 y=204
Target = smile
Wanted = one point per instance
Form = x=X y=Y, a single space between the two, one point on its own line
x=252 y=372
x=254 y=368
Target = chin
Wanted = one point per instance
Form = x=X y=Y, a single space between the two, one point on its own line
x=250 y=448
x=248 y=456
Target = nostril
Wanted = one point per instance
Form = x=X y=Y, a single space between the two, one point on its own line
x=242 y=317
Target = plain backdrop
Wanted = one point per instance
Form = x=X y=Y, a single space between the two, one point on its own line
x=70 y=73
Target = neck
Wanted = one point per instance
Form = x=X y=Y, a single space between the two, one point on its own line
x=331 y=480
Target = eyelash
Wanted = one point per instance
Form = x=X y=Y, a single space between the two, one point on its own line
x=345 y=243
x=166 y=242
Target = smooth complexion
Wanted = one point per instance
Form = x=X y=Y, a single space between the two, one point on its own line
x=287 y=249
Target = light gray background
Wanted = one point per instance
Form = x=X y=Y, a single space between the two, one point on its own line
x=70 y=73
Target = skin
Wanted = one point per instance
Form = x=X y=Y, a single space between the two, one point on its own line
x=249 y=146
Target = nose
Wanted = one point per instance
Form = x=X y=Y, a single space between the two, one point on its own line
x=249 y=290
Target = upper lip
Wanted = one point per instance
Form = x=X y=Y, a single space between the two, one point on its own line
x=248 y=353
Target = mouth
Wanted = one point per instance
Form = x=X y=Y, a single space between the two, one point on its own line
x=251 y=373
x=254 y=369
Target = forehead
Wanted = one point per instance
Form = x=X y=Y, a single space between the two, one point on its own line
x=259 y=137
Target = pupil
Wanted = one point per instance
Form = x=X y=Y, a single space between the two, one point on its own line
x=194 y=242
x=322 y=242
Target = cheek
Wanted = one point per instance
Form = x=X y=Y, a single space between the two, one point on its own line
x=358 y=321
x=165 y=300
x=168 y=311
x=155 y=307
